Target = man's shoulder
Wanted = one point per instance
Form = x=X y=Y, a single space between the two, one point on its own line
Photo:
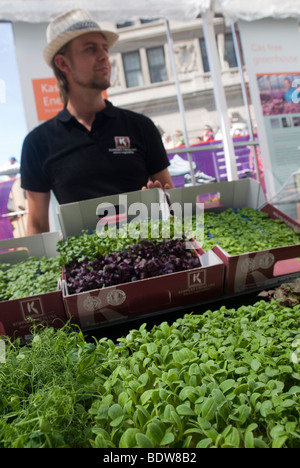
x=43 y=128
x=123 y=112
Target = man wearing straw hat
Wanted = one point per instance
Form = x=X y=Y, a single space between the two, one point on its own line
x=91 y=148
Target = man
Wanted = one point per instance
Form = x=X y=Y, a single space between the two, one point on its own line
x=91 y=148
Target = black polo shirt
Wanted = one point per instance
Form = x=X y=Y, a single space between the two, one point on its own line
x=118 y=155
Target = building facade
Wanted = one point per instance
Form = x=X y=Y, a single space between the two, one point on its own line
x=143 y=80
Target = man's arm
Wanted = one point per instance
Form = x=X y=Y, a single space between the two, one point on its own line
x=38 y=212
x=161 y=179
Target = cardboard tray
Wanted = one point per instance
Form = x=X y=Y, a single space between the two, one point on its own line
x=47 y=308
x=144 y=296
x=117 y=303
x=254 y=269
x=265 y=268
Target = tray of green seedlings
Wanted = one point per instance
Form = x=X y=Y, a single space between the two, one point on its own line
x=244 y=230
x=29 y=277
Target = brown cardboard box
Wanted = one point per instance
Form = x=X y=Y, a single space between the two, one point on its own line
x=139 y=298
x=142 y=297
x=47 y=308
x=254 y=270
x=264 y=268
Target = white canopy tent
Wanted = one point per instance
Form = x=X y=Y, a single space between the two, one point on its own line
x=35 y=11
x=118 y=10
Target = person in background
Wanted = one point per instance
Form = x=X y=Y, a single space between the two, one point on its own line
x=10 y=169
x=178 y=138
x=167 y=141
x=288 y=90
x=208 y=134
x=91 y=148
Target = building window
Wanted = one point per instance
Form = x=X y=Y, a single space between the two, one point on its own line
x=148 y=20
x=133 y=69
x=126 y=24
x=204 y=55
x=157 y=64
x=229 y=55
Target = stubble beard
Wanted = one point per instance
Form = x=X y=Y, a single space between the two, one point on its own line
x=100 y=84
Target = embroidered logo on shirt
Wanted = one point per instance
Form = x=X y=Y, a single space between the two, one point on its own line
x=122 y=145
x=122 y=142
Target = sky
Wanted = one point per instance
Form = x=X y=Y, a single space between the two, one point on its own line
x=13 y=126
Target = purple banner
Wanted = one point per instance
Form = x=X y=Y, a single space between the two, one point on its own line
x=6 y=230
x=209 y=164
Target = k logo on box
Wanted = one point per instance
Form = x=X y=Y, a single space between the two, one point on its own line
x=32 y=308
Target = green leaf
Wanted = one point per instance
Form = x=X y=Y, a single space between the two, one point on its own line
x=294 y=390
x=185 y=410
x=86 y=362
x=128 y=439
x=115 y=411
x=146 y=396
x=209 y=409
x=143 y=441
x=288 y=403
x=249 y=440
x=232 y=439
x=218 y=396
x=241 y=370
x=278 y=442
x=255 y=365
x=184 y=356
x=204 y=443
x=266 y=408
x=117 y=421
x=141 y=415
x=244 y=413
x=167 y=439
x=227 y=385
x=241 y=389
x=155 y=432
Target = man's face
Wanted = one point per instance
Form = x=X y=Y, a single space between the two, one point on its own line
x=88 y=60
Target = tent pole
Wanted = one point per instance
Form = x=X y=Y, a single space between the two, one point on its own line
x=179 y=99
x=210 y=40
x=245 y=96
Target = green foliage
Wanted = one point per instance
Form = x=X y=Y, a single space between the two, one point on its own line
x=236 y=231
x=246 y=230
x=30 y=277
x=223 y=379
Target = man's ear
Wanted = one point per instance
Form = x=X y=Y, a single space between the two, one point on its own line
x=61 y=63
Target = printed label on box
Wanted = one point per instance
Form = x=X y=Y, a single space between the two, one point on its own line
x=116 y=297
x=92 y=303
x=32 y=308
x=197 y=278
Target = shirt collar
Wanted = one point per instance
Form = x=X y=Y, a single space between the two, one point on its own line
x=109 y=111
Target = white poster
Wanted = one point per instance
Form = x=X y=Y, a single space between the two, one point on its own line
x=271 y=51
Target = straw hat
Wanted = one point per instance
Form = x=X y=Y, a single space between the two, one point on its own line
x=68 y=26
